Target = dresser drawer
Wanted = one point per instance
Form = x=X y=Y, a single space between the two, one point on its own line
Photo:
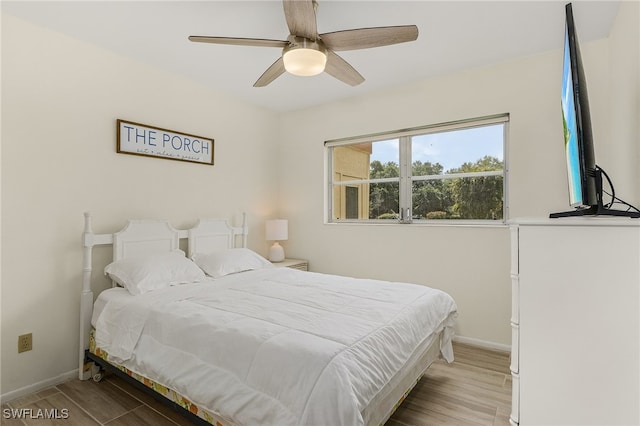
x=515 y=299
x=514 y=419
x=515 y=264
x=515 y=348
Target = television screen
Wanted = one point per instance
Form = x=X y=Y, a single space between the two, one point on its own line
x=571 y=146
x=576 y=120
x=578 y=138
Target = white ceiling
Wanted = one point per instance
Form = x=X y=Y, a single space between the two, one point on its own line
x=453 y=36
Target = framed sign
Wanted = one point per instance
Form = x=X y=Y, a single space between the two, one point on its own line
x=140 y=139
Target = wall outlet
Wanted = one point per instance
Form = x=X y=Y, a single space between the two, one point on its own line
x=25 y=342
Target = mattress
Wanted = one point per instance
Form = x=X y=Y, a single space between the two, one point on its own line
x=278 y=346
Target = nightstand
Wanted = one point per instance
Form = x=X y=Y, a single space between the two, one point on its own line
x=300 y=264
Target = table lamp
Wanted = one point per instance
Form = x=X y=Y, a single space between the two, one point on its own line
x=277 y=230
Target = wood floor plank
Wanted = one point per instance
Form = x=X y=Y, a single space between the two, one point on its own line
x=475 y=389
x=502 y=417
x=453 y=406
x=469 y=373
x=498 y=395
x=31 y=398
x=407 y=414
x=57 y=409
x=149 y=400
x=103 y=401
x=8 y=418
x=141 y=416
x=485 y=358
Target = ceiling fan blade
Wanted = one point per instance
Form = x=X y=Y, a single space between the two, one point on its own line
x=274 y=71
x=340 y=69
x=301 y=18
x=364 y=38
x=259 y=42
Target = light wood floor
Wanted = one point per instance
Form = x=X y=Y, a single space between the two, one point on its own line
x=474 y=390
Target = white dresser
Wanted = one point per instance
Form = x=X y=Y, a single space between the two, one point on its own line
x=575 y=321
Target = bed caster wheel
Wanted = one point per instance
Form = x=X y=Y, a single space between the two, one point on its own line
x=98 y=376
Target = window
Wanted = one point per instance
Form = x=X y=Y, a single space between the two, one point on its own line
x=451 y=171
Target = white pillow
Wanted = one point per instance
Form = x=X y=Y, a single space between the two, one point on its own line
x=146 y=273
x=230 y=261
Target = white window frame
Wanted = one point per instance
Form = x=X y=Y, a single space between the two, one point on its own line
x=406 y=179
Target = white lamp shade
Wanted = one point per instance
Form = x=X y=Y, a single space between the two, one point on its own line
x=277 y=230
x=304 y=62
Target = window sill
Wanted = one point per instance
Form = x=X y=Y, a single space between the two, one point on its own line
x=423 y=223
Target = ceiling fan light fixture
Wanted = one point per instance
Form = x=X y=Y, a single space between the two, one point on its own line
x=304 y=58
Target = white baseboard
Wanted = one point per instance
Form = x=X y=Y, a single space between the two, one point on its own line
x=36 y=387
x=482 y=343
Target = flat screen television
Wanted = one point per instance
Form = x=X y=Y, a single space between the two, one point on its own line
x=584 y=176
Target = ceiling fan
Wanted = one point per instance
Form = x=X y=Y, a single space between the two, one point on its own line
x=306 y=53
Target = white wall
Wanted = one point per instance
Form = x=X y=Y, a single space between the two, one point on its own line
x=470 y=263
x=60 y=100
x=620 y=152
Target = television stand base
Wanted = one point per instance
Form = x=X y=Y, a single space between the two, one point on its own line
x=596 y=211
x=599 y=208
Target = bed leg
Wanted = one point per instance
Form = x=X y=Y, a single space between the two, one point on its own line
x=98 y=375
x=89 y=368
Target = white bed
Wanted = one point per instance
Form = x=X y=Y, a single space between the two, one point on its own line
x=265 y=345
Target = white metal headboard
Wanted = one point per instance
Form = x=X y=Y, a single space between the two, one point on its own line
x=210 y=235
x=144 y=237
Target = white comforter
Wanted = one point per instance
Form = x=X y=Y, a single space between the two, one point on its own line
x=276 y=346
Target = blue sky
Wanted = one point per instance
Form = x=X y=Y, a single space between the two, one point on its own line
x=451 y=149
